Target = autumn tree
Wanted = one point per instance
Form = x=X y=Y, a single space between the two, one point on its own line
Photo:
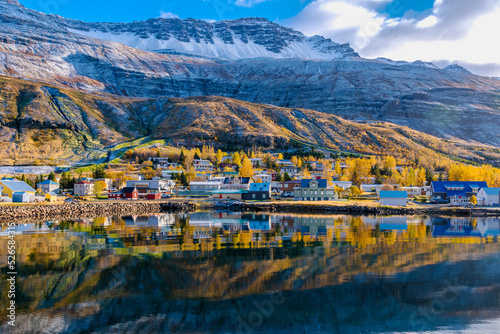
x=99 y=187
x=246 y=168
x=236 y=159
x=219 y=155
x=473 y=200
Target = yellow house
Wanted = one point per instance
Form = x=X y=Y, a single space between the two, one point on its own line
x=51 y=197
x=9 y=187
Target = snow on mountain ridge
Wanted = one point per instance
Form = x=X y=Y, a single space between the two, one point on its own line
x=229 y=39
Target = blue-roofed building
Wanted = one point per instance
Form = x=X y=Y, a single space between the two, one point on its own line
x=258 y=192
x=488 y=197
x=314 y=190
x=47 y=186
x=236 y=183
x=9 y=187
x=20 y=197
x=393 y=198
x=446 y=190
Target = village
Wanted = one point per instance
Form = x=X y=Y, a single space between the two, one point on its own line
x=236 y=177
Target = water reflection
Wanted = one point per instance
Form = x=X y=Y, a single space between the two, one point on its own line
x=212 y=272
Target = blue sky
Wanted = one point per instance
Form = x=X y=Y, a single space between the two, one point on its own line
x=441 y=31
x=132 y=10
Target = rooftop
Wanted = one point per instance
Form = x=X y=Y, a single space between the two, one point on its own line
x=393 y=194
x=50 y=182
x=17 y=186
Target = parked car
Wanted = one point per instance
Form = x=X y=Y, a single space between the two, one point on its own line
x=439 y=201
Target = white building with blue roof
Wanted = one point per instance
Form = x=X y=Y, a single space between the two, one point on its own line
x=47 y=186
x=488 y=197
x=393 y=198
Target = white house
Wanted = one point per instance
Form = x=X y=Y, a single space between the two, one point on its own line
x=488 y=196
x=290 y=169
x=149 y=186
x=204 y=186
x=265 y=178
x=47 y=186
x=393 y=198
x=256 y=162
x=343 y=184
x=412 y=191
x=83 y=188
x=202 y=166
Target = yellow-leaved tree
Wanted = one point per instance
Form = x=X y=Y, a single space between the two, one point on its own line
x=246 y=168
x=236 y=159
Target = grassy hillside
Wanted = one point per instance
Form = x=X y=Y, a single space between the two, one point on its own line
x=44 y=124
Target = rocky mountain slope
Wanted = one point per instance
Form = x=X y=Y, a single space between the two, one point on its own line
x=449 y=103
x=54 y=125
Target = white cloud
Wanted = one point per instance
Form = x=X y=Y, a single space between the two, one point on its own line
x=462 y=31
x=429 y=21
x=168 y=15
x=248 y=3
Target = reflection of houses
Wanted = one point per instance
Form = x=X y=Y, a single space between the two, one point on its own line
x=158 y=220
x=394 y=223
x=447 y=189
x=258 y=222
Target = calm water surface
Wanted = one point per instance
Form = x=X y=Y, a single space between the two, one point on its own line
x=213 y=272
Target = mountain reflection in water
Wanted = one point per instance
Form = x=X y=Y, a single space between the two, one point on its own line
x=211 y=272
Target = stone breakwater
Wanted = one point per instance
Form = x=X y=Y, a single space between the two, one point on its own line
x=360 y=210
x=91 y=209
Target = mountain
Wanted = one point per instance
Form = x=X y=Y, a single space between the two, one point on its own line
x=197 y=58
x=236 y=39
x=59 y=125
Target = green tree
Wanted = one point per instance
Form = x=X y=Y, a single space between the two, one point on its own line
x=184 y=180
x=287 y=177
x=279 y=178
x=429 y=176
x=52 y=177
x=98 y=172
x=182 y=158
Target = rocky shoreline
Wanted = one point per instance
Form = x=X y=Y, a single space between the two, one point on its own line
x=93 y=209
x=361 y=210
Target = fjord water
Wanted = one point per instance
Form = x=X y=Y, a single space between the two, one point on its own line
x=214 y=272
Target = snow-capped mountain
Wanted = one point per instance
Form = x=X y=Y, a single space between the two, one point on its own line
x=224 y=58
x=231 y=39
x=236 y=39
